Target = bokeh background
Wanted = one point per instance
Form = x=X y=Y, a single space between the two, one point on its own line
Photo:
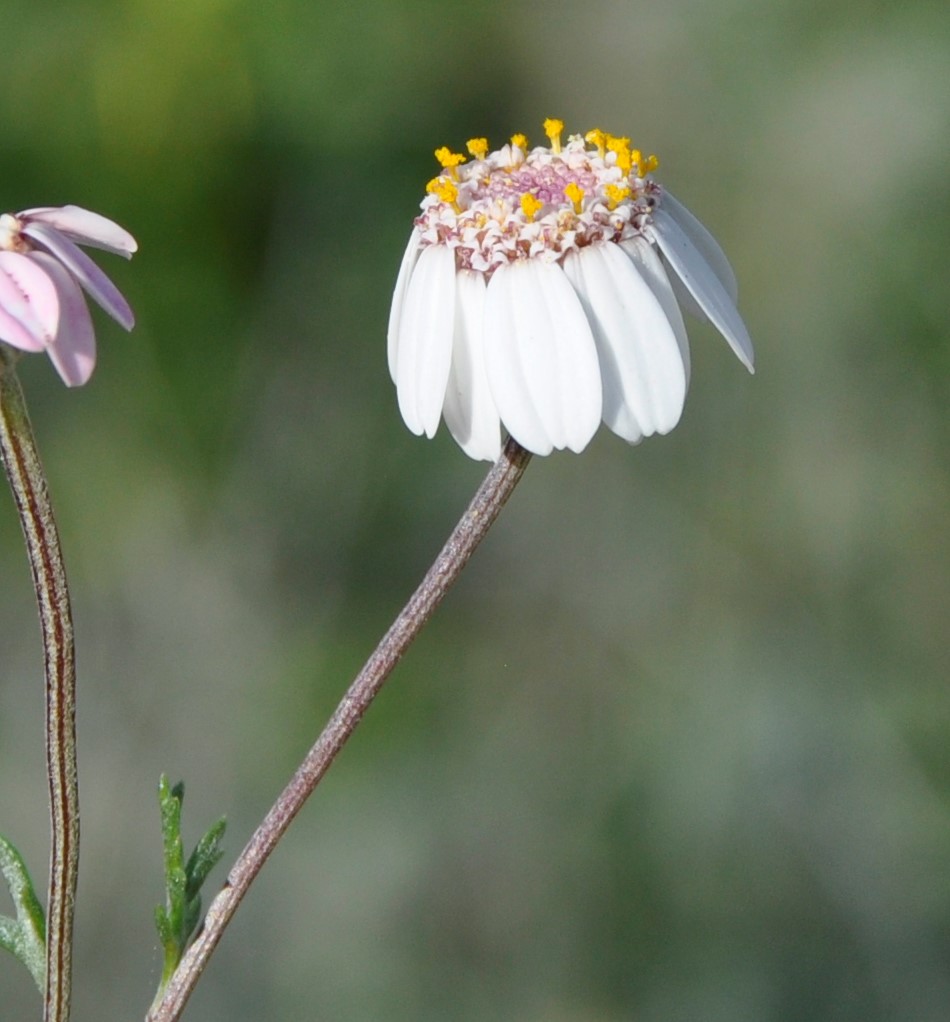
x=678 y=745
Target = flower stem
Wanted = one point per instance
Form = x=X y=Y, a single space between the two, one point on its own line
x=471 y=529
x=28 y=483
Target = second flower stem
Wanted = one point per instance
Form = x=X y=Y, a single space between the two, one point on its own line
x=471 y=529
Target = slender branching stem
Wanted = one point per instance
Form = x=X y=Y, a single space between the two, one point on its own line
x=28 y=483
x=471 y=529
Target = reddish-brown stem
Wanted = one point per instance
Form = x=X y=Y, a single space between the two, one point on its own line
x=471 y=529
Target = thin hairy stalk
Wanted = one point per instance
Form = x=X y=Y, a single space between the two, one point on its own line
x=28 y=483
x=470 y=531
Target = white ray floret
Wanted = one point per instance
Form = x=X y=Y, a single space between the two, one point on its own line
x=541 y=357
x=644 y=378
x=424 y=340
x=703 y=284
x=469 y=409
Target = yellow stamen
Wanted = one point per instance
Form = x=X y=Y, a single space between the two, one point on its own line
x=530 y=205
x=621 y=146
x=598 y=138
x=449 y=160
x=575 y=195
x=616 y=194
x=553 y=128
x=445 y=190
x=478 y=147
x=648 y=165
x=521 y=141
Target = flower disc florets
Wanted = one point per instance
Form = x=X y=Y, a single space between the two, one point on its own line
x=540 y=293
x=545 y=202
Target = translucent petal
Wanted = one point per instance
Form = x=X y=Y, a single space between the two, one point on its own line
x=424 y=348
x=541 y=358
x=693 y=270
x=469 y=409
x=685 y=300
x=644 y=379
x=96 y=284
x=708 y=246
x=73 y=351
x=399 y=296
x=650 y=267
x=85 y=227
x=29 y=303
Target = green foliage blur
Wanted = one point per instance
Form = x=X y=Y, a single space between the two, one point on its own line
x=678 y=746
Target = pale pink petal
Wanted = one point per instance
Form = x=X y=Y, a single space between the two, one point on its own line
x=29 y=303
x=85 y=227
x=73 y=349
x=94 y=281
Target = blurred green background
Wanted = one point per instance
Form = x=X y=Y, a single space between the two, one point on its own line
x=678 y=745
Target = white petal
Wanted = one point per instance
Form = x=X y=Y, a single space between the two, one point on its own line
x=693 y=270
x=469 y=409
x=424 y=349
x=650 y=267
x=73 y=351
x=85 y=227
x=705 y=242
x=685 y=300
x=399 y=296
x=641 y=366
x=540 y=357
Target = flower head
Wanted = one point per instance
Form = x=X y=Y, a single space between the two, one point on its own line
x=535 y=294
x=43 y=273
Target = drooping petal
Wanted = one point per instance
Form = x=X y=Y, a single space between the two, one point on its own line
x=683 y=297
x=650 y=267
x=469 y=409
x=540 y=357
x=73 y=350
x=644 y=379
x=96 y=284
x=29 y=303
x=85 y=227
x=705 y=242
x=399 y=296
x=424 y=339
x=693 y=270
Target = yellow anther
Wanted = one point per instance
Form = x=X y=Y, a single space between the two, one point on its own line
x=530 y=205
x=598 y=138
x=621 y=146
x=648 y=165
x=575 y=195
x=521 y=141
x=478 y=147
x=553 y=128
x=616 y=194
x=449 y=160
x=445 y=190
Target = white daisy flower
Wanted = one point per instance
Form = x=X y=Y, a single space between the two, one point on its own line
x=535 y=295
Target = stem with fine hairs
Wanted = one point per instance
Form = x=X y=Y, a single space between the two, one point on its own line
x=28 y=483
x=471 y=529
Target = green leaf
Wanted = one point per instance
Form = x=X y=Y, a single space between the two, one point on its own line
x=205 y=857
x=179 y=919
x=25 y=936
